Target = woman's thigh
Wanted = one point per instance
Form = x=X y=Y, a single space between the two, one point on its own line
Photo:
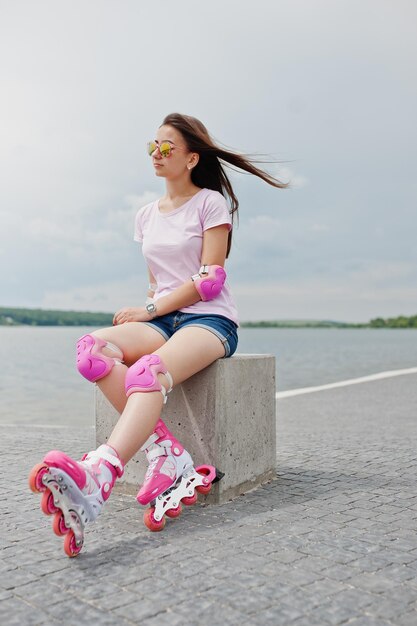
x=189 y=351
x=133 y=338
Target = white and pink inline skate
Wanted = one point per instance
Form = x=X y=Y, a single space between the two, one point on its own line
x=74 y=492
x=171 y=478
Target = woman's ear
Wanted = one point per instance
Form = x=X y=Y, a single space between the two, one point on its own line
x=194 y=159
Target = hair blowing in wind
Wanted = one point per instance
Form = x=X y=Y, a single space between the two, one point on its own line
x=209 y=171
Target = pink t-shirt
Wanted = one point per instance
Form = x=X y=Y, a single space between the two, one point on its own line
x=172 y=246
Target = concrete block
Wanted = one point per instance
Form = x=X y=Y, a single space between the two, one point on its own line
x=224 y=416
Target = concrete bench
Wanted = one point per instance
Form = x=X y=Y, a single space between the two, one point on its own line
x=224 y=416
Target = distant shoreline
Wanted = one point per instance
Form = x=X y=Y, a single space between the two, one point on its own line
x=43 y=317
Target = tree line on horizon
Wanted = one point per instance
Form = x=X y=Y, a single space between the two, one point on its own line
x=43 y=317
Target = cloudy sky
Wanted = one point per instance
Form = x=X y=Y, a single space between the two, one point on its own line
x=326 y=88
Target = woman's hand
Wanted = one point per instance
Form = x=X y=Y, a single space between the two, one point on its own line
x=131 y=314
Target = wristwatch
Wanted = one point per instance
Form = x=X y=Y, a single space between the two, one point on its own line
x=151 y=308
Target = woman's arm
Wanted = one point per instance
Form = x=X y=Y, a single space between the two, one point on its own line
x=213 y=253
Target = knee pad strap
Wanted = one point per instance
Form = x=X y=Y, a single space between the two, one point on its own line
x=209 y=281
x=91 y=362
x=142 y=376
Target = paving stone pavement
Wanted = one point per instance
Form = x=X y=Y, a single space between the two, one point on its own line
x=331 y=541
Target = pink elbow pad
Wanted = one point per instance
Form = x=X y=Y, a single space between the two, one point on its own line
x=209 y=281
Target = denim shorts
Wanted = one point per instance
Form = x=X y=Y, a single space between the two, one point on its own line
x=221 y=326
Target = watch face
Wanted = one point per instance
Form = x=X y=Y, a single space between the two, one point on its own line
x=151 y=308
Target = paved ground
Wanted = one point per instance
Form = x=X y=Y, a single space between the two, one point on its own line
x=331 y=541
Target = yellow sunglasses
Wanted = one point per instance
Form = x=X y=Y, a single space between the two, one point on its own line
x=165 y=148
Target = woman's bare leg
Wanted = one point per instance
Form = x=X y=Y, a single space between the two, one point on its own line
x=134 y=339
x=187 y=352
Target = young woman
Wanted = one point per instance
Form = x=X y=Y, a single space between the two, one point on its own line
x=188 y=322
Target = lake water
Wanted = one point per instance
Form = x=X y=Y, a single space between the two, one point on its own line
x=39 y=383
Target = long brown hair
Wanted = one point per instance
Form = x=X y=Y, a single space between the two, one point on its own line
x=209 y=171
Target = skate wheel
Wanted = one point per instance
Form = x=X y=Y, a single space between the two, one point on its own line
x=35 y=477
x=174 y=512
x=189 y=500
x=58 y=525
x=47 y=503
x=150 y=522
x=70 y=547
x=204 y=489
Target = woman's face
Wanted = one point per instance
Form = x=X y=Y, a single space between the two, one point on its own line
x=180 y=161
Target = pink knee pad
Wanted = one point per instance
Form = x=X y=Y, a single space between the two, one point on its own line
x=91 y=362
x=142 y=376
x=209 y=281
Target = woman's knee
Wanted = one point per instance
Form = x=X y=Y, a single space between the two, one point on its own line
x=96 y=356
x=149 y=373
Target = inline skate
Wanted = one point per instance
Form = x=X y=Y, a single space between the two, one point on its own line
x=171 y=479
x=74 y=492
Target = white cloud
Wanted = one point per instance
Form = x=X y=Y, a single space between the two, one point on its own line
x=354 y=300
x=121 y=220
x=136 y=201
x=385 y=274
x=260 y=229
x=287 y=175
x=319 y=228
x=107 y=296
